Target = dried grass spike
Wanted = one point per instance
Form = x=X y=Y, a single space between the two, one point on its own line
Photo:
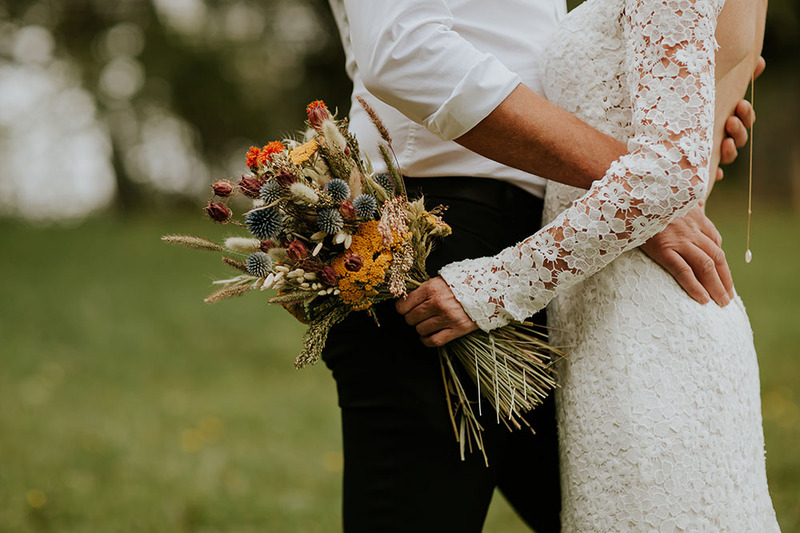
x=316 y=335
x=235 y=263
x=399 y=184
x=376 y=120
x=291 y=298
x=334 y=139
x=242 y=245
x=190 y=241
x=228 y=292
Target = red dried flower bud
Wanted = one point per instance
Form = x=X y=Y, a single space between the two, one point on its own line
x=347 y=210
x=250 y=186
x=266 y=246
x=218 y=212
x=222 y=188
x=297 y=250
x=329 y=276
x=353 y=262
x=285 y=178
x=317 y=113
x=309 y=265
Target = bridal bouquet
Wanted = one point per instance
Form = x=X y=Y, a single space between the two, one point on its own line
x=329 y=237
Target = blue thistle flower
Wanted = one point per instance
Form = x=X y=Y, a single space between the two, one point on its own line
x=330 y=221
x=264 y=223
x=386 y=182
x=365 y=205
x=338 y=189
x=259 y=264
x=271 y=192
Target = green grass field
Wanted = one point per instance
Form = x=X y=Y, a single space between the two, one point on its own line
x=129 y=405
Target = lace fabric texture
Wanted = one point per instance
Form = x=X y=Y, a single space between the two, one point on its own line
x=667 y=49
x=659 y=402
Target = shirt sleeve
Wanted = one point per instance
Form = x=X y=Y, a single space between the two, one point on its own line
x=669 y=63
x=409 y=56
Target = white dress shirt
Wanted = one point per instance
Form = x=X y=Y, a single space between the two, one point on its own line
x=433 y=69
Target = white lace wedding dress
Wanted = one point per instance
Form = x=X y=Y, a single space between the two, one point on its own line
x=659 y=411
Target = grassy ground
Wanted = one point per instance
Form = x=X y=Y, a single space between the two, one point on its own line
x=128 y=405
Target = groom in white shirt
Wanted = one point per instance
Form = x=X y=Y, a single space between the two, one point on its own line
x=456 y=83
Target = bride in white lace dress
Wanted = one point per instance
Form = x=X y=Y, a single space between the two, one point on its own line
x=659 y=411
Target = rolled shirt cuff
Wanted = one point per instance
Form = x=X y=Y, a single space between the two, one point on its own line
x=477 y=94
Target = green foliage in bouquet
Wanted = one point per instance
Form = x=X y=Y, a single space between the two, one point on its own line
x=331 y=237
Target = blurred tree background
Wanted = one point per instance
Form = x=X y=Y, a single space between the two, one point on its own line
x=154 y=97
x=128 y=405
x=134 y=97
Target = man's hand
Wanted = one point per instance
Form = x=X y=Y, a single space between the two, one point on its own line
x=689 y=248
x=435 y=313
x=736 y=126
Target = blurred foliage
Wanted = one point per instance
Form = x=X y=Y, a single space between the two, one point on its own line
x=236 y=72
x=128 y=405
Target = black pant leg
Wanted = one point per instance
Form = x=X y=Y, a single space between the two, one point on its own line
x=403 y=471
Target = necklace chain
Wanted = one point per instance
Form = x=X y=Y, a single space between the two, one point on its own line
x=748 y=255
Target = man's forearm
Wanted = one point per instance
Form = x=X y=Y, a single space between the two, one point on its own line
x=529 y=133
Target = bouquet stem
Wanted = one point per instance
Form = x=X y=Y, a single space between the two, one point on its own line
x=512 y=369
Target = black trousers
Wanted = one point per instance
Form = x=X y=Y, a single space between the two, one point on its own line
x=402 y=467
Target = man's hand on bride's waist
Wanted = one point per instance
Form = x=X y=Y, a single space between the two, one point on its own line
x=435 y=313
x=690 y=249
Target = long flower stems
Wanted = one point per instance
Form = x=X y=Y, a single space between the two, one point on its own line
x=514 y=372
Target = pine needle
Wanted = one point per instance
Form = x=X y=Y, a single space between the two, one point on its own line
x=190 y=241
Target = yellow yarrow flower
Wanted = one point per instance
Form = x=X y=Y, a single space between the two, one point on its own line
x=303 y=153
x=358 y=287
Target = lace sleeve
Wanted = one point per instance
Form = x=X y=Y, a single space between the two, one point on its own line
x=669 y=62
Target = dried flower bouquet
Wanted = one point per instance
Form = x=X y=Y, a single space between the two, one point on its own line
x=332 y=237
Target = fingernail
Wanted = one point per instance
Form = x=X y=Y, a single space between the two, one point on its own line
x=725 y=300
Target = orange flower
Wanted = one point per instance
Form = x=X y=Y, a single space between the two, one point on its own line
x=275 y=147
x=251 y=159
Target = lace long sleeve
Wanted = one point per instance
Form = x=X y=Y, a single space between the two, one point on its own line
x=669 y=64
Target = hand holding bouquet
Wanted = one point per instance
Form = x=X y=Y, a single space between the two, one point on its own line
x=332 y=237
